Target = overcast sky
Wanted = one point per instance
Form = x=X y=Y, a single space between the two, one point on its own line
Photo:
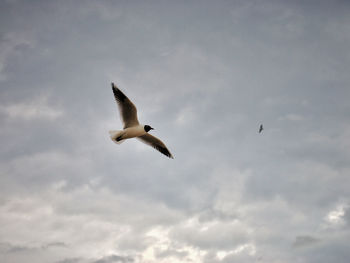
x=205 y=75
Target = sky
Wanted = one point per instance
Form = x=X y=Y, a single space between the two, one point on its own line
x=205 y=75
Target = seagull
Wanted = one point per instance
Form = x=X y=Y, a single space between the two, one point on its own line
x=261 y=128
x=132 y=128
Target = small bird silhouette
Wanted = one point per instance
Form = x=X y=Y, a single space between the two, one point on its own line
x=261 y=128
x=132 y=128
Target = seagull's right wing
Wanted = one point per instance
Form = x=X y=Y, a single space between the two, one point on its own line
x=127 y=109
x=155 y=143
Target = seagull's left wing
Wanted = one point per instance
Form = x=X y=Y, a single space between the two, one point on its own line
x=155 y=143
x=127 y=109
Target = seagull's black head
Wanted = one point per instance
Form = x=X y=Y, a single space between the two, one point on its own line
x=148 y=128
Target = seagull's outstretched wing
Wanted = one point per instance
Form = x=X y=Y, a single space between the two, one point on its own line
x=127 y=109
x=155 y=143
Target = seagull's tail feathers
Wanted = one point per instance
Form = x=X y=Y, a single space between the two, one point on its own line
x=115 y=136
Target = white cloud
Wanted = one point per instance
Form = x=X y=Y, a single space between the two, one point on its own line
x=335 y=218
x=37 y=108
x=104 y=233
x=247 y=248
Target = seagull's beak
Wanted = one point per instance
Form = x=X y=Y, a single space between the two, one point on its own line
x=152 y=128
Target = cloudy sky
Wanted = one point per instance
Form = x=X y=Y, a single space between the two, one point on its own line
x=205 y=74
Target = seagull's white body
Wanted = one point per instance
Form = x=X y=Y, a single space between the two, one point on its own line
x=135 y=131
x=132 y=127
x=127 y=133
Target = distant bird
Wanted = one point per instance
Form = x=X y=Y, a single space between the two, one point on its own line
x=261 y=128
x=132 y=128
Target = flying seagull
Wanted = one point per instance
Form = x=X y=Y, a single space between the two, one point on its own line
x=132 y=128
x=261 y=128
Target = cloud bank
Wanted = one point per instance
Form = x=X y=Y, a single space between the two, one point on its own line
x=205 y=75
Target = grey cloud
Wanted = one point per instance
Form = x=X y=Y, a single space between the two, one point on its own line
x=8 y=248
x=11 y=248
x=324 y=251
x=114 y=259
x=304 y=241
x=54 y=245
x=106 y=259
x=69 y=260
